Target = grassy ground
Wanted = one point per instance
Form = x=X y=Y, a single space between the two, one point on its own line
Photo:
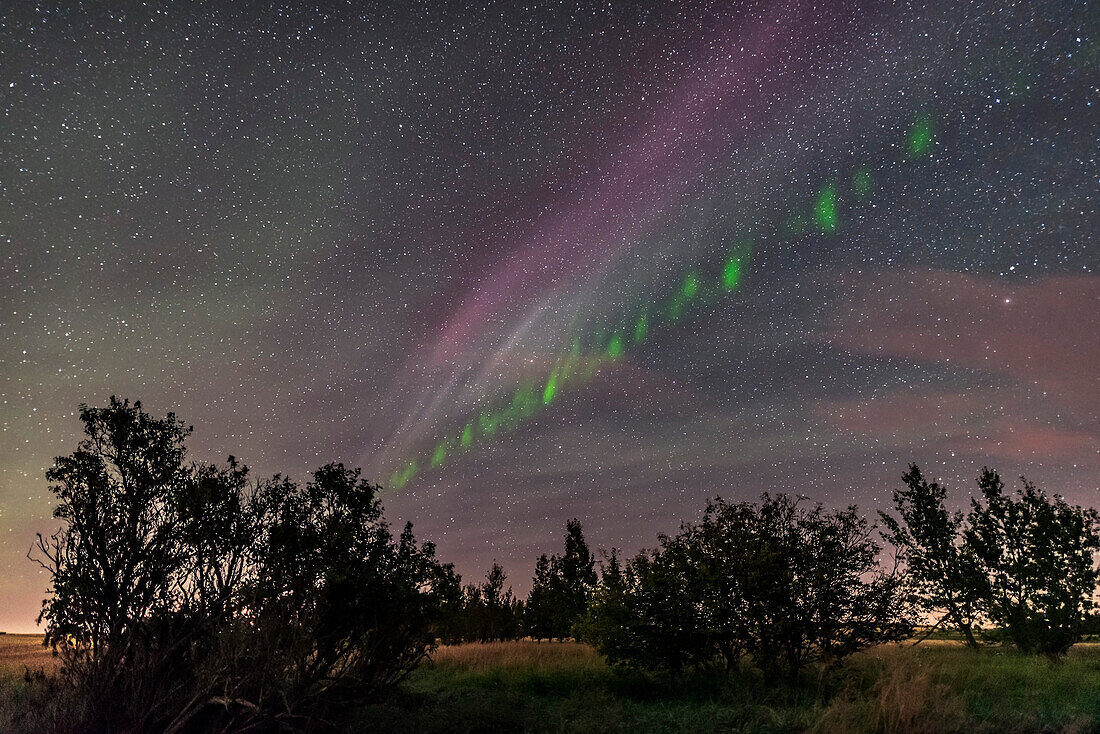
x=20 y=651
x=18 y=654
x=566 y=687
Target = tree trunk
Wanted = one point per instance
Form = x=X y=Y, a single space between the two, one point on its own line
x=966 y=628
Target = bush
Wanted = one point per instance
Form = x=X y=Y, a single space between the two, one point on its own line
x=1024 y=564
x=1037 y=558
x=782 y=583
x=186 y=598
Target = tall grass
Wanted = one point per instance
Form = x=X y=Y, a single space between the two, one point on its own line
x=894 y=692
x=896 y=689
x=18 y=652
x=525 y=655
x=939 y=688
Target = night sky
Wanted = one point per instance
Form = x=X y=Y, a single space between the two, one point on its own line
x=525 y=262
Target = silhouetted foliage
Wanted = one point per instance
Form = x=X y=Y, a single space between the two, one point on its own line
x=1037 y=557
x=941 y=564
x=576 y=573
x=539 y=612
x=562 y=587
x=338 y=609
x=119 y=570
x=503 y=612
x=1025 y=565
x=608 y=617
x=781 y=583
x=489 y=612
x=187 y=599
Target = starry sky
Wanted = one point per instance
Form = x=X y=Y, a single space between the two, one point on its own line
x=528 y=262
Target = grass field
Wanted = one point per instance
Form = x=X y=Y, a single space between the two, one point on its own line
x=20 y=651
x=566 y=687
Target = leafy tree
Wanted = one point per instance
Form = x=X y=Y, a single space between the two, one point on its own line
x=940 y=563
x=185 y=598
x=784 y=584
x=498 y=602
x=500 y=606
x=340 y=609
x=117 y=557
x=490 y=612
x=1037 y=558
x=474 y=623
x=539 y=613
x=608 y=616
x=649 y=618
x=562 y=587
x=451 y=624
x=833 y=598
x=576 y=572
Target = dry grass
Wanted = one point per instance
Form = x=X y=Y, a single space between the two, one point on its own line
x=30 y=707
x=19 y=652
x=940 y=688
x=904 y=698
x=533 y=657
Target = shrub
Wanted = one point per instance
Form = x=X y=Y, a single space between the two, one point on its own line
x=782 y=583
x=186 y=598
x=1025 y=564
x=1037 y=557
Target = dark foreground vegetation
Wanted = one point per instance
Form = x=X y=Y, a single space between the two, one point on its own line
x=524 y=686
x=189 y=597
x=518 y=686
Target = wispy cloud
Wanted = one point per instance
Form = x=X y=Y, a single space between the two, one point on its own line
x=1027 y=354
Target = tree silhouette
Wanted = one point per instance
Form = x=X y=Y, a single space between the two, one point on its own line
x=576 y=580
x=490 y=612
x=607 y=617
x=185 y=598
x=502 y=609
x=1025 y=564
x=780 y=583
x=539 y=610
x=562 y=587
x=117 y=563
x=1037 y=556
x=339 y=604
x=941 y=564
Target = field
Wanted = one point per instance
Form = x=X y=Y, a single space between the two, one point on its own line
x=19 y=651
x=566 y=687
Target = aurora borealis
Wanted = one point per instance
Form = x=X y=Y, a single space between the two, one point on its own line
x=529 y=263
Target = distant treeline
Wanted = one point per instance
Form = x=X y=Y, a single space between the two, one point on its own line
x=189 y=597
x=560 y=594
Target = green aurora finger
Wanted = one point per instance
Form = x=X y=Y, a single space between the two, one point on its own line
x=920 y=135
x=731 y=273
x=825 y=209
x=439 y=455
x=615 y=347
x=551 y=388
x=690 y=286
x=641 y=328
